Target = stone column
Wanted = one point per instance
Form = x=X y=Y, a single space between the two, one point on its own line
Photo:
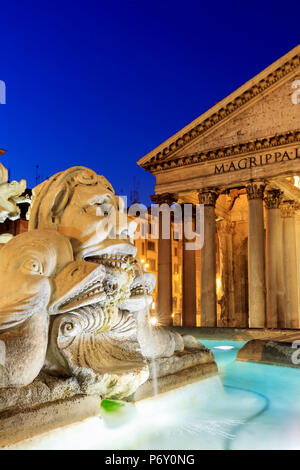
x=208 y=260
x=225 y=230
x=189 y=298
x=256 y=255
x=297 y=220
x=274 y=261
x=164 y=269
x=290 y=264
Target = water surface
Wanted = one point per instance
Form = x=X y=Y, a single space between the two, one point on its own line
x=248 y=406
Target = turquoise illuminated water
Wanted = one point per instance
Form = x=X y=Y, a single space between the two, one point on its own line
x=256 y=407
x=275 y=424
x=248 y=406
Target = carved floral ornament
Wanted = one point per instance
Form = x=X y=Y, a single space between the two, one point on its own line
x=288 y=209
x=10 y=196
x=223 y=152
x=255 y=190
x=165 y=198
x=273 y=198
x=208 y=197
x=154 y=163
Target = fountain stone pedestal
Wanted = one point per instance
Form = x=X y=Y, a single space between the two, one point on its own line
x=52 y=402
x=180 y=369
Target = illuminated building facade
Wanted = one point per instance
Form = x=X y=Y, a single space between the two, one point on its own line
x=241 y=161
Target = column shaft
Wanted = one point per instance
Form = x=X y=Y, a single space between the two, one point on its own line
x=164 y=274
x=189 y=306
x=256 y=256
x=208 y=261
x=225 y=229
x=290 y=266
x=274 y=261
x=297 y=220
x=164 y=286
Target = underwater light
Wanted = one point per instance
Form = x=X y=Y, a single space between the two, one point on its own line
x=225 y=348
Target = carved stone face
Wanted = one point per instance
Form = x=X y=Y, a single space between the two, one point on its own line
x=38 y=277
x=95 y=223
x=82 y=205
x=27 y=264
x=38 y=274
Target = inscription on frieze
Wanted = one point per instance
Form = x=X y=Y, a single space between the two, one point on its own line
x=254 y=161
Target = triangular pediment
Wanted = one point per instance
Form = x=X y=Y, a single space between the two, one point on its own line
x=263 y=107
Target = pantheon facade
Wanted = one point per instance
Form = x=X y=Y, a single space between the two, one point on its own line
x=241 y=160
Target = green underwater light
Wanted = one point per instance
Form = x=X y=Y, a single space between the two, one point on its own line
x=111 y=406
x=116 y=413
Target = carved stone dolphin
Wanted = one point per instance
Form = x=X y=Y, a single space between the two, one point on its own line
x=38 y=277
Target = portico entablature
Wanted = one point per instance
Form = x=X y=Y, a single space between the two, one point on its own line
x=252 y=134
x=234 y=170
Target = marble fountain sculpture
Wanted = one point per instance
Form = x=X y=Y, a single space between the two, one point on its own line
x=74 y=326
x=9 y=198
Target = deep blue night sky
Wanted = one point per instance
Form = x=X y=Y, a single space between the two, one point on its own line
x=102 y=83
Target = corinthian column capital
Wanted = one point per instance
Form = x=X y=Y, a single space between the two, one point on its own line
x=273 y=198
x=165 y=198
x=255 y=190
x=208 y=197
x=288 y=209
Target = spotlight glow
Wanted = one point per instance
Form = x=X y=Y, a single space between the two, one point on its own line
x=219 y=284
x=225 y=348
x=153 y=321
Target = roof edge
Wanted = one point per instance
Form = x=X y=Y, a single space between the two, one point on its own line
x=220 y=104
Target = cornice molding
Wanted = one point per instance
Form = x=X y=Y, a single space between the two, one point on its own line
x=237 y=103
x=229 y=151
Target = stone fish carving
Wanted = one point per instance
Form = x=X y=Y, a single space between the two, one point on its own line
x=96 y=344
x=36 y=271
x=154 y=341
